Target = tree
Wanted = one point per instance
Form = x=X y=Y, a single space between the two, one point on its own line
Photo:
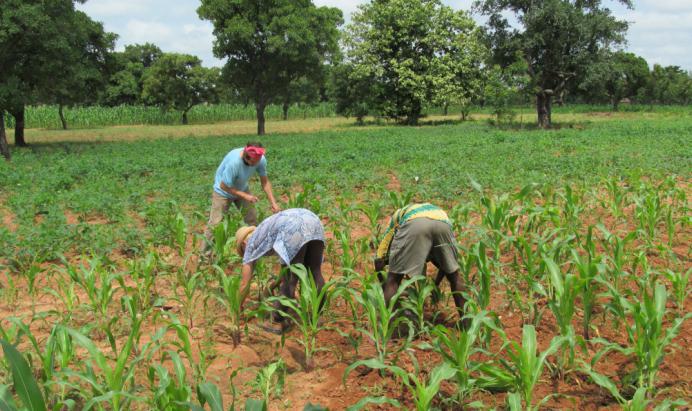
x=126 y=81
x=616 y=76
x=558 y=39
x=271 y=43
x=669 y=85
x=85 y=70
x=352 y=91
x=414 y=52
x=179 y=82
x=36 y=44
x=302 y=91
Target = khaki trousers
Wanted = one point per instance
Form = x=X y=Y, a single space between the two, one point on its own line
x=219 y=208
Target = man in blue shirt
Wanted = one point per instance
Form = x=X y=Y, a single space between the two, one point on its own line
x=231 y=186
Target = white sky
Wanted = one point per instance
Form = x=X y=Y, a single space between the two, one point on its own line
x=660 y=30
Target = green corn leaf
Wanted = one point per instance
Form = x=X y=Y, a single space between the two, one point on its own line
x=24 y=383
x=6 y=401
x=209 y=394
x=374 y=400
x=253 y=404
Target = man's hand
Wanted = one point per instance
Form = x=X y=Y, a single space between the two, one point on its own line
x=275 y=208
x=250 y=198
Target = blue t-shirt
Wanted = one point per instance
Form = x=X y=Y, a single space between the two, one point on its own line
x=235 y=173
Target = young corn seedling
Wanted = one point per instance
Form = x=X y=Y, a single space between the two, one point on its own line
x=143 y=272
x=415 y=298
x=384 y=318
x=190 y=284
x=572 y=207
x=458 y=346
x=180 y=233
x=679 y=281
x=422 y=391
x=562 y=304
x=224 y=237
x=171 y=392
x=230 y=298
x=615 y=255
x=638 y=402
x=306 y=309
x=112 y=380
x=617 y=195
x=98 y=284
x=270 y=381
x=526 y=364
x=646 y=336
x=482 y=292
x=649 y=211
x=589 y=269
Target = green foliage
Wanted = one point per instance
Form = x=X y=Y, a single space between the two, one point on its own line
x=24 y=383
x=404 y=55
x=179 y=82
x=270 y=47
x=557 y=39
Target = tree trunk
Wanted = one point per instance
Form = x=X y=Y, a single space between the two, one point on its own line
x=19 y=127
x=285 y=110
x=543 y=109
x=62 y=117
x=259 y=108
x=4 y=147
x=185 y=117
x=445 y=109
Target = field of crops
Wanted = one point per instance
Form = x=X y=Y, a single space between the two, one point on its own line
x=574 y=247
x=46 y=117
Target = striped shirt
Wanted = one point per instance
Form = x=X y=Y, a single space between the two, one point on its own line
x=404 y=214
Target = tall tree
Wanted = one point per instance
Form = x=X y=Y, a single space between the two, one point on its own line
x=415 y=52
x=271 y=43
x=557 y=39
x=616 y=76
x=126 y=81
x=35 y=47
x=179 y=82
x=85 y=70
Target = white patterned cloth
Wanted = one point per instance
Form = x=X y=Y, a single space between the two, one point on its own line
x=284 y=233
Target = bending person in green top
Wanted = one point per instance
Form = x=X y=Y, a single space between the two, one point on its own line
x=416 y=234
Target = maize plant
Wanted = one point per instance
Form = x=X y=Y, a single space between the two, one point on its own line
x=588 y=270
x=112 y=380
x=422 y=391
x=229 y=296
x=526 y=364
x=638 y=402
x=646 y=335
x=306 y=309
x=384 y=319
x=171 y=392
x=565 y=291
x=458 y=346
x=269 y=381
x=414 y=300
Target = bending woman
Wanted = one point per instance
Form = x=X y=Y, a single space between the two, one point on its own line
x=296 y=236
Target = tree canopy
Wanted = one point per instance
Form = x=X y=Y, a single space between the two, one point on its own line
x=179 y=82
x=269 y=44
x=558 y=39
x=42 y=44
x=412 y=53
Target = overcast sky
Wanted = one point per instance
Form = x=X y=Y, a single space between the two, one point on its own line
x=660 y=30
